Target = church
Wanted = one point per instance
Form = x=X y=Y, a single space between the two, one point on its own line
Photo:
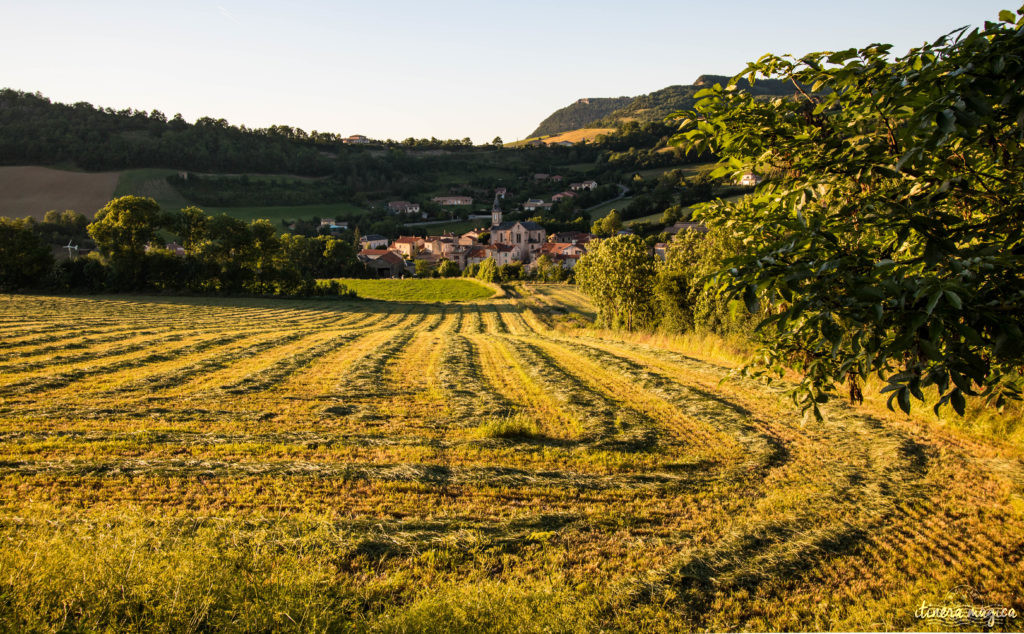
x=525 y=237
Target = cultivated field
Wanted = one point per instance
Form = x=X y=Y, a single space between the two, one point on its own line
x=215 y=464
x=32 y=191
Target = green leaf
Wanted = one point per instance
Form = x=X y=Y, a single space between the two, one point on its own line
x=903 y=399
x=954 y=299
x=1007 y=16
x=957 y=400
x=750 y=299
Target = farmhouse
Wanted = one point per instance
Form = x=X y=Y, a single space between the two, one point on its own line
x=447 y=201
x=565 y=253
x=407 y=246
x=373 y=241
x=439 y=245
x=404 y=207
x=382 y=263
x=500 y=253
x=471 y=237
x=562 y=195
x=750 y=180
x=534 y=204
x=357 y=139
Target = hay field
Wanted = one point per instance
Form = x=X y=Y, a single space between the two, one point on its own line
x=240 y=465
x=32 y=191
x=575 y=136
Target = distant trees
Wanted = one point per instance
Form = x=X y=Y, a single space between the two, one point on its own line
x=33 y=130
x=222 y=254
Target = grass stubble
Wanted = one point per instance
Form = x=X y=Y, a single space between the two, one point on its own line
x=190 y=465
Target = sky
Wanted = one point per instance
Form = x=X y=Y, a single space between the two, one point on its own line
x=448 y=69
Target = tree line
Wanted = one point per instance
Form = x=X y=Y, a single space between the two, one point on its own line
x=221 y=255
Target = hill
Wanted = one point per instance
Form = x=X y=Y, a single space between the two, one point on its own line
x=654 y=106
x=579 y=114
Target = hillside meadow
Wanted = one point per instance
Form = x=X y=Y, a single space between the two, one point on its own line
x=243 y=464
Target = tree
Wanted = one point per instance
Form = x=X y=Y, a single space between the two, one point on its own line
x=618 y=274
x=25 y=260
x=122 y=230
x=190 y=224
x=607 y=226
x=423 y=268
x=547 y=270
x=447 y=268
x=488 y=271
x=497 y=142
x=887 y=238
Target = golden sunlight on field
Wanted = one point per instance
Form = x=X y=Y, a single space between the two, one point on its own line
x=260 y=464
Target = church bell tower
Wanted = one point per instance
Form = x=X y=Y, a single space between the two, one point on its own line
x=495 y=213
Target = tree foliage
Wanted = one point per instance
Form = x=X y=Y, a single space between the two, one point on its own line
x=887 y=238
x=24 y=256
x=618 y=274
x=487 y=271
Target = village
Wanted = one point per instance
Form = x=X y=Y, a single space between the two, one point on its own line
x=505 y=242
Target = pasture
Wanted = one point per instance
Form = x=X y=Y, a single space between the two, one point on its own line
x=420 y=290
x=242 y=464
x=32 y=191
x=151 y=183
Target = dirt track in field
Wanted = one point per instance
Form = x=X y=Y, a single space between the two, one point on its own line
x=32 y=191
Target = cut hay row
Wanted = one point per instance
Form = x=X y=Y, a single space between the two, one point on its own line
x=372 y=461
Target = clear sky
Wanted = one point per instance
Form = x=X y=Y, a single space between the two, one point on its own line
x=394 y=69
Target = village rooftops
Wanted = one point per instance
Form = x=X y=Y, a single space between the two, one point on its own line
x=579 y=237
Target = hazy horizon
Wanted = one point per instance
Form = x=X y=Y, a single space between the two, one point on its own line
x=401 y=69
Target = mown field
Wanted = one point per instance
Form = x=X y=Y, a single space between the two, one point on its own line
x=217 y=464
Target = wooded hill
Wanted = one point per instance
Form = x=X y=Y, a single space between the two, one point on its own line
x=655 y=106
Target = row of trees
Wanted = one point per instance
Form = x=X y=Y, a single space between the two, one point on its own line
x=222 y=255
x=634 y=291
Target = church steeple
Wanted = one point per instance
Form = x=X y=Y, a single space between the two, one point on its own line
x=495 y=213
